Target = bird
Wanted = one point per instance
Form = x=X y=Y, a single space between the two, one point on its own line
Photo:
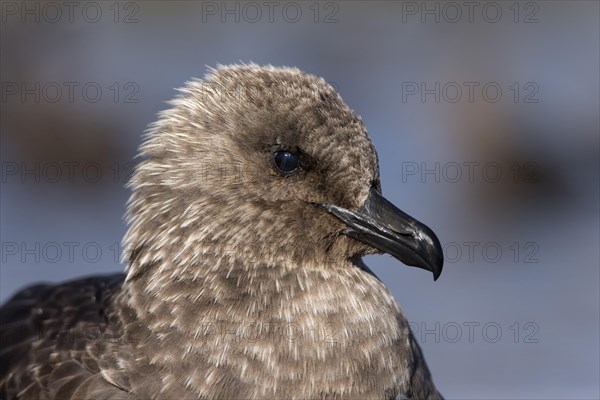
x=256 y=196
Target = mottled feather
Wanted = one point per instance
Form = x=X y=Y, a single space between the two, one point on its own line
x=237 y=285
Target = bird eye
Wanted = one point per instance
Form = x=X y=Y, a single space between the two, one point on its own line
x=286 y=162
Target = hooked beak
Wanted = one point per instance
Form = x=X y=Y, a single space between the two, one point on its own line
x=382 y=225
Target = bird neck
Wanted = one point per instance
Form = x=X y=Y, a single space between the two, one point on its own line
x=271 y=324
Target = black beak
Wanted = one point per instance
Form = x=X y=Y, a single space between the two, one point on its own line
x=382 y=225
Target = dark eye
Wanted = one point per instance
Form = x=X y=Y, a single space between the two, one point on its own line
x=286 y=162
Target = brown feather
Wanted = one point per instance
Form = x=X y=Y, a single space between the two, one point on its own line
x=237 y=285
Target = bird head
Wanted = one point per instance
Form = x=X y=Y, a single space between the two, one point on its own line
x=267 y=165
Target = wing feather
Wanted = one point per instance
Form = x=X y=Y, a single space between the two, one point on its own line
x=46 y=332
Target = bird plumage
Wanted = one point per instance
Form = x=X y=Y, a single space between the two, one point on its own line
x=240 y=283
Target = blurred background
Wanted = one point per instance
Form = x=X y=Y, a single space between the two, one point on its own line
x=485 y=116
